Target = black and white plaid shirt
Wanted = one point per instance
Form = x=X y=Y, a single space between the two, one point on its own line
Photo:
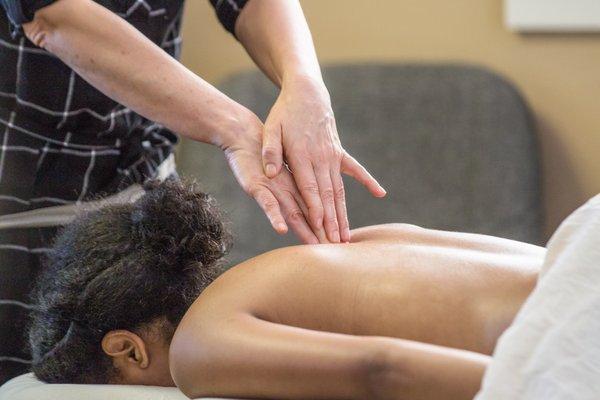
x=62 y=141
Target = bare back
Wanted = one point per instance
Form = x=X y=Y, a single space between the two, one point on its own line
x=395 y=310
x=451 y=289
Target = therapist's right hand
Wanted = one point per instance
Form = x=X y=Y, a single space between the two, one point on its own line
x=279 y=197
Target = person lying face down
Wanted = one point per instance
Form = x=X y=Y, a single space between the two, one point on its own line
x=131 y=296
x=118 y=281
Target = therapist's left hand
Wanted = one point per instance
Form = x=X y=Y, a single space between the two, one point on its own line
x=278 y=197
x=300 y=130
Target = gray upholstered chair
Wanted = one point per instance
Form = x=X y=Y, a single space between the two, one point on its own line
x=454 y=146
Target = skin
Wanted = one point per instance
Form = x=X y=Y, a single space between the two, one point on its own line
x=400 y=313
x=126 y=66
x=301 y=123
x=142 y=358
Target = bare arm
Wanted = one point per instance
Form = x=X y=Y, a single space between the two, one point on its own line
x=121 y=62
x=283 y=47
x=301 y=123
x=248 y=357
x=117 y=59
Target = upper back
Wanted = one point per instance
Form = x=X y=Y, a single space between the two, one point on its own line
x=389 y=277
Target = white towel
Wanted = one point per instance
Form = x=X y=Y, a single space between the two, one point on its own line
x=27 y=387
x=552 y=350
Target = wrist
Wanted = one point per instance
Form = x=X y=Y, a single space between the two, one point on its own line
x=307 y=87
x=233 y=125
x=303 y=78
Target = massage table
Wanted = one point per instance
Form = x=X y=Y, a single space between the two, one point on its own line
x=550 y=352
x=27 y=387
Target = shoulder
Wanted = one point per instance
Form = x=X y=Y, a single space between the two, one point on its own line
x=244 y=285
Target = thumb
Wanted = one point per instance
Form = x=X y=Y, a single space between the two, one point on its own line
x=272 y=152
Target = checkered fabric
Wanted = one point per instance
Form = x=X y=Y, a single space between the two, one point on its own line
x=62 y=141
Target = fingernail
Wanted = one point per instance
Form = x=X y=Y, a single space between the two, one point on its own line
x=271 y=170
x=281 y=227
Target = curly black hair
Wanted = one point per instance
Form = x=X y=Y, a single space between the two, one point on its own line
x=122 y=267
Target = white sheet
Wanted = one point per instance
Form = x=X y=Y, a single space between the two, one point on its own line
x=27 y=387
x=552 y=350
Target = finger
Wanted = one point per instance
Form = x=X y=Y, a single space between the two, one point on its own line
x=272 y=152
x=340 y=206
x=270 y=206
x=308 y=187
x=328 y=201
x=320 y=234
x=295 y=217
x=352 y=168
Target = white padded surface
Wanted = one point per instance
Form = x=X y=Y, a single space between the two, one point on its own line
x=552 y=349
x=27 y=387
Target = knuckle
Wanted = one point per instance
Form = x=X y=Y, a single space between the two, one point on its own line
x=270 y=203
x=297 y=155
x=322 y=156
x=259 y=191
x=310 y=188
x=254 y=190
x=270 y=151
x=340 y=194
x=338 y=153
x=295 y=216
x=327 y=195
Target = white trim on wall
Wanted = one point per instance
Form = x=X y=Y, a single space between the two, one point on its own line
x=553 y=15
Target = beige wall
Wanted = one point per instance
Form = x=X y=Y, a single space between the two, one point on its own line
x=558 y=74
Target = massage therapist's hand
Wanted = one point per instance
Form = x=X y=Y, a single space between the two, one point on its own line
x=301 y=128
x=132 y=70
x=278 y=197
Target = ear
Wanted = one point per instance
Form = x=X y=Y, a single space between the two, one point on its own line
x=126 y=349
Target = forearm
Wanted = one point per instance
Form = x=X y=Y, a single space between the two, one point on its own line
x=276 y=361
x=267 y=360
x=428 y=372
x=275 y=34
x=122 y=63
